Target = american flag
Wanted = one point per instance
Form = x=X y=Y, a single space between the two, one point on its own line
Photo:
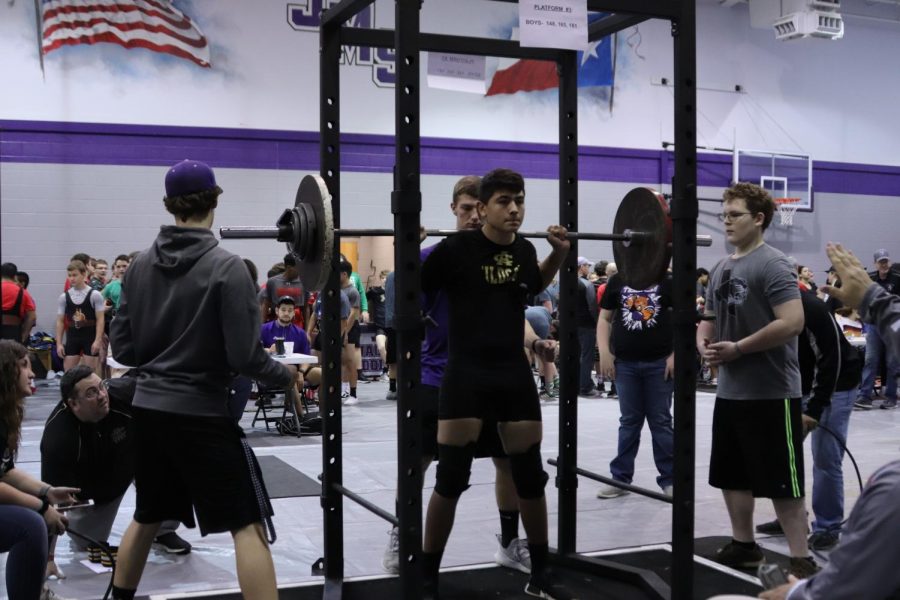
x=154 y=25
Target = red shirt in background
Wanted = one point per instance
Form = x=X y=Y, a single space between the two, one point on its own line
x=10 y=292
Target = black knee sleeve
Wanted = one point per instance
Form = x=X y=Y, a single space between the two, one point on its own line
x=528 y=473
x=453 y=469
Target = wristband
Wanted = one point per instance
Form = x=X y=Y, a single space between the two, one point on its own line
x=45 y=504
x=738 y=348
x=533 y=344
x=44 y=491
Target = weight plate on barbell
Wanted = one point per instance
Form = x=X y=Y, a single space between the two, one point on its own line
x=317 y=241
x=643 y=263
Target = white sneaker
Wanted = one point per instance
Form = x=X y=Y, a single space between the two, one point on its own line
x=610 y=491
x=667 y=490
x=515 y=556
x=351 y=401
x=391 y=559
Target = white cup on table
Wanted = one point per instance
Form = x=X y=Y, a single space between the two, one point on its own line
x=288 y=347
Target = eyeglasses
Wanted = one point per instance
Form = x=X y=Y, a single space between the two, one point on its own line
x=732 y=216
x=93 y=393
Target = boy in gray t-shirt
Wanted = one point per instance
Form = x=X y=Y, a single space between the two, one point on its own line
x=741 y=294
x=753 y=317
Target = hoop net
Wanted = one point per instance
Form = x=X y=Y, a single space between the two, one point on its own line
x=787 y=208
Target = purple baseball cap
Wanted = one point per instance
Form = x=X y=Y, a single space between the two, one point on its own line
x=189 y=177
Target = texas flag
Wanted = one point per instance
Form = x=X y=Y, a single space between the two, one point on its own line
x=595 y=68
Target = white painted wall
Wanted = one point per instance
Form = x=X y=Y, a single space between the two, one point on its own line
x=832 y=99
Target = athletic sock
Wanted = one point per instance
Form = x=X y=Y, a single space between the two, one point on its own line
x=509 y=526
x=431 y=565
x=120 y=594
x=392 y=385
x=747 y=545
x=539 y=554
x=353 y=392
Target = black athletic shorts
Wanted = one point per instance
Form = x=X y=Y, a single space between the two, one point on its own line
x=504 y=392
x=757 y=445
x=488 y=444
x=317 y=340
x=428 y=417
x=78 y=341
x=185 y=463
x=390 y=346
x=353 y=334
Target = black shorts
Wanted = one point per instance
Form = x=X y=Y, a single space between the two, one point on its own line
x=317 y=340
x=497 y=393
x=757 y=445
x=488 y=444
x=78 y=341
x=428 y=417
x=185 y=463
x=390 y=346
x=353 y=335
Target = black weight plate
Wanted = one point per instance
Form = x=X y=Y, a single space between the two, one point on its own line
x=315 y=268
x=643 y=263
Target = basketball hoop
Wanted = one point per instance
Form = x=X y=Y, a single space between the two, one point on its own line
x=787 y=208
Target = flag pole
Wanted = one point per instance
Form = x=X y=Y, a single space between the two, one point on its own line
x=39 y=28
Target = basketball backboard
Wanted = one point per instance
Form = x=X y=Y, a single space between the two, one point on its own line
x=783 y=174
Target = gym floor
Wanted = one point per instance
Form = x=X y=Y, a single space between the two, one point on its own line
x=370 y=468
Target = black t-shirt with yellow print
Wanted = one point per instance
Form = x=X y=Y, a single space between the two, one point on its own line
x=488 y=286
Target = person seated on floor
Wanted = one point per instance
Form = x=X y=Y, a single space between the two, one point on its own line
x=88 y=443
x=283 y=327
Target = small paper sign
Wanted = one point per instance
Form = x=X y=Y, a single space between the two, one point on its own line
x=458 y=72
x=553 y=24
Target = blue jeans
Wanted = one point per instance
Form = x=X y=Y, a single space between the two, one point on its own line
x=587 y=339
x=828 y=456
x=23 y=533
x=644 y=393
x=874 y=350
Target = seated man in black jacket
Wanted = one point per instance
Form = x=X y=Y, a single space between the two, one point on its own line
x=88 y=444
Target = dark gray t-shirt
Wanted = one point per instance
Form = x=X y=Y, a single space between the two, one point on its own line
x=742 y=294
x=353 y=297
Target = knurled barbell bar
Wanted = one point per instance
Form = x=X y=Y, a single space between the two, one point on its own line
x=641 y=240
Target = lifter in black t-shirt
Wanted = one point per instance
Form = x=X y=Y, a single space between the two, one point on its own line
x=487 y=275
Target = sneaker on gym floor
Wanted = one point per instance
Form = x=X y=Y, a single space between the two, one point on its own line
x=553 y=388
x=770 y=528
x=590 y=394
x=173 y=544
x=892 y=403
x=547 y=585
x=804 y=567
x=612 y=393
x=391 y=559
x=610 y=491
x=515 y=556
x=391 y=395
x=738 y=557
x=863 y=403
x=823 y=540
x=351 y=401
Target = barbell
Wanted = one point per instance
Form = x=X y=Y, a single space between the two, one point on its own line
x=642 y=237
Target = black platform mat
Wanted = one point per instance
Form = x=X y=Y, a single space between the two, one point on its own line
x=284 y=481
x=707 y=580
x=492 y=583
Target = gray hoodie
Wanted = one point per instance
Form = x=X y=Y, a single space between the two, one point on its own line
x=189 y=321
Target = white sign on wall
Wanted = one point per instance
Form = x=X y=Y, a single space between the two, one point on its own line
x=458 y=72
x=553 y=24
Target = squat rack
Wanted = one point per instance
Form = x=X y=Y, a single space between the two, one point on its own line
x=406 y=202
